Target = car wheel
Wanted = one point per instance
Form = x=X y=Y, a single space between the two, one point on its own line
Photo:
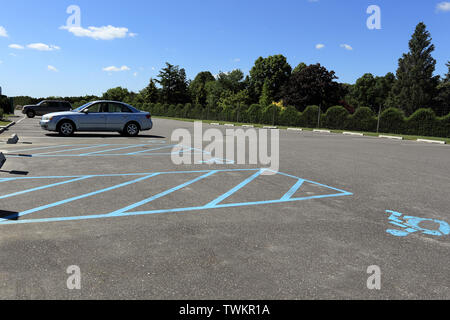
x=66 y=128
x=131 y=129
x=31 y=114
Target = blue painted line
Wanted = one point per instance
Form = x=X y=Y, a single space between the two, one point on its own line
x=294 y=189
x=49 y=147
x=162 y=194
x=233 y=190
x=138 y=213
x=130 y=174
x=51 y=205
x=143 y=151
x=314 y=182
x=43 y=187
x=95 y=155
x=67 y=150
x=121 y=148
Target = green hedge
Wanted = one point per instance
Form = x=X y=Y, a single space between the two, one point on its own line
x=423 y=122
x=308 y=118
x=363 y=119
x=392 y=120
x=336 y=118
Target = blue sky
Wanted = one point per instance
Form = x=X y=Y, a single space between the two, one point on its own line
x=39 y=58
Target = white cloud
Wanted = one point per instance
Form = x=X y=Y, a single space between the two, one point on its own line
x=320 y=46
x=52 y=68
x=16 y=46
x=135 y=74
x=237 y=60
x=3 y=32
x=1 y=61
x=116 y=69
x=443 y=6
x=42 y=47
x=100 y=33
x=13 y=54
x=346 y=46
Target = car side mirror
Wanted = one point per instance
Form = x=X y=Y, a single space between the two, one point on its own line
x=85 y=111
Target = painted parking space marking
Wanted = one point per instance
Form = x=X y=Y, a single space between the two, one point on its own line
x=153 y=148
x=245 y=177
x=410 y=224
x=68 y=150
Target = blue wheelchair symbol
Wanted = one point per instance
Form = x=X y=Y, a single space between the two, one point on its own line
x=410 y=224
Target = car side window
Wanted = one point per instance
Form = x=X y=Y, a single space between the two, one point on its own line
x=115 y=107
x=43 y=105
x=95 y=108
x=54 y=105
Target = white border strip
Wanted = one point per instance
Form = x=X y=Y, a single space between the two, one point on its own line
x=390 y=137
x=353 y=133
x=431 y=141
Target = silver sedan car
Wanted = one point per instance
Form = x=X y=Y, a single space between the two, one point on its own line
x=99 y=116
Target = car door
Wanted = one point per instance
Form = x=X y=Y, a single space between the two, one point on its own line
x=53 y=106
x=94 y=119
x=42 y=108
x=117 y=116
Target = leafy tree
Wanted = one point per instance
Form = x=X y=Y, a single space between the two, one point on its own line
x=150 y=93
x=197 y=87
x=265 y=98
x=232 y=81
x=300 y=67
x=313 y=85
x=447 y=76
x=227 y=84
x=416 y=85
x=273 y=69
x=370 y=91
x=174 y=85
x=116 y=94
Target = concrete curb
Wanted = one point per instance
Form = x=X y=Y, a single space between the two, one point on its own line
x=229 y=124
x=321 y=131
x=390 y=137
x=215 y=124
x=248 y=126
x=269 y=127
x=7 y=127
x=431 y=141
x=353 y=134
x=294 y=129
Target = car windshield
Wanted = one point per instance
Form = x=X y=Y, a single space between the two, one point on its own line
x=82 y=107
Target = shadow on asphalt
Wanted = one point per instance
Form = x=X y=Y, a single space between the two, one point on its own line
x=102 y=135
x=9 y=215
x=22 y=173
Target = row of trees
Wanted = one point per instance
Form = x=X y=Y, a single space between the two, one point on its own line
x=273 y=82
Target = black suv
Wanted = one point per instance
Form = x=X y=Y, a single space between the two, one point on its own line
x=46 y=106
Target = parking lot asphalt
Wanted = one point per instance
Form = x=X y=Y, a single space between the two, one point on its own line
x=140 y=227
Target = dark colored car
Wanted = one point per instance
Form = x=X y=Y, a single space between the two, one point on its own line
x=46 y=106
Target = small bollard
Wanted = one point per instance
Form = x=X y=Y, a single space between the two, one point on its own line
x=2 y=159
x=13 y=140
